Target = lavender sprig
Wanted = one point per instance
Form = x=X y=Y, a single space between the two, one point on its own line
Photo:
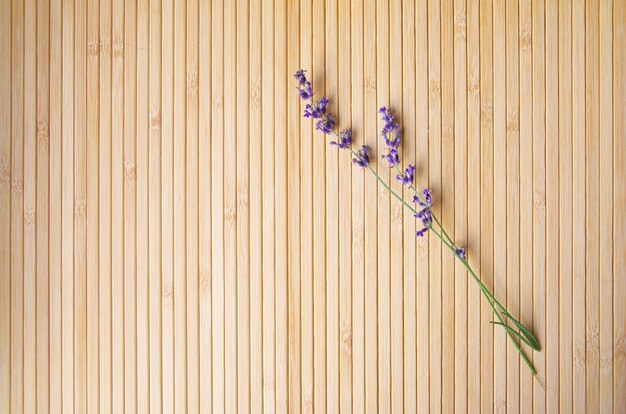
x=326 y=124
x=390 y=126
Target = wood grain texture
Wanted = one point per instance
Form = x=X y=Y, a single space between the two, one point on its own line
x=175 y=237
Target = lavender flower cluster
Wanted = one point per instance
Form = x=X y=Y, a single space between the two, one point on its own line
x=317 y=109
x=326 y=122
x=424 y=214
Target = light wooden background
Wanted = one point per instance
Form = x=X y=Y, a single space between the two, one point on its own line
x=174 y=237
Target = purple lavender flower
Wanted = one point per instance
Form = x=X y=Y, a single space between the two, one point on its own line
x=316 y=109
x=325 y=124
x=425 y=216
x=392 y=158
x=429 y=201
x=392 y=144
x=345 y=139
x=427 y=198
x=406 y=178
x=300 y=76
x=362 y=160
x=305 y=91
x=420 y=233
x=389 y=119
x=460 y=252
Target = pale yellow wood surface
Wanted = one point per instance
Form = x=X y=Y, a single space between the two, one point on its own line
x=175 y=237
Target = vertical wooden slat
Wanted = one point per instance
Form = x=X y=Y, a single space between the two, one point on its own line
x=512 y=198
x=80 y=208
x=318 y=77
x=460 y=202
x=5 y=205
x=30 y=236
x=409 y=146
x=460 y=197
x=474 y=297
x=619 y=203
x=539 y=197
x=192 y=203
x=526 y=192
x=255 y=207
x=243 y=210
x=205 y=382
x=104 y=208
x=461 y=358
x=357 y=328
x=144 y=132
x=592 y=216
x=486 y=202
x=269 y=273
x=55 y=228
x=230 y=206
x=565 y=206
x=67 y=208
x=384 y=219
x=292 y=40
x=205 y=242
x=370 y=134
x=169 y=220
x=312 y=236
x=343 y=61
x=500 y=239
x=217 y=205
x=129 y=176
x=396 y=343
x=280 y=120
x=592 y=201
x=312 y=220
x=92 y=169
x=551 y=345
x=17 y=208
x=154 y=138
x=42 y=209
x=319 y=271
x=579 y=213
x=422 y=297
x=396 y=282
x=118 y=87
x=446 y=195
x=331 y=270
x=605 y=74
x=180 y=247
x=435 y=183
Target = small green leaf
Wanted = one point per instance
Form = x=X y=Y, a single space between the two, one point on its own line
x=514 y=332
x=534 y=344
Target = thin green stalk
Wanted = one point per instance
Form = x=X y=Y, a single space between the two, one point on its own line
x=369 y=167
x=490 y=299
x=449 y=243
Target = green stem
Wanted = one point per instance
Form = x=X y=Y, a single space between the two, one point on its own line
x=490 y=299
x=369 y=167
x=449 y=243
